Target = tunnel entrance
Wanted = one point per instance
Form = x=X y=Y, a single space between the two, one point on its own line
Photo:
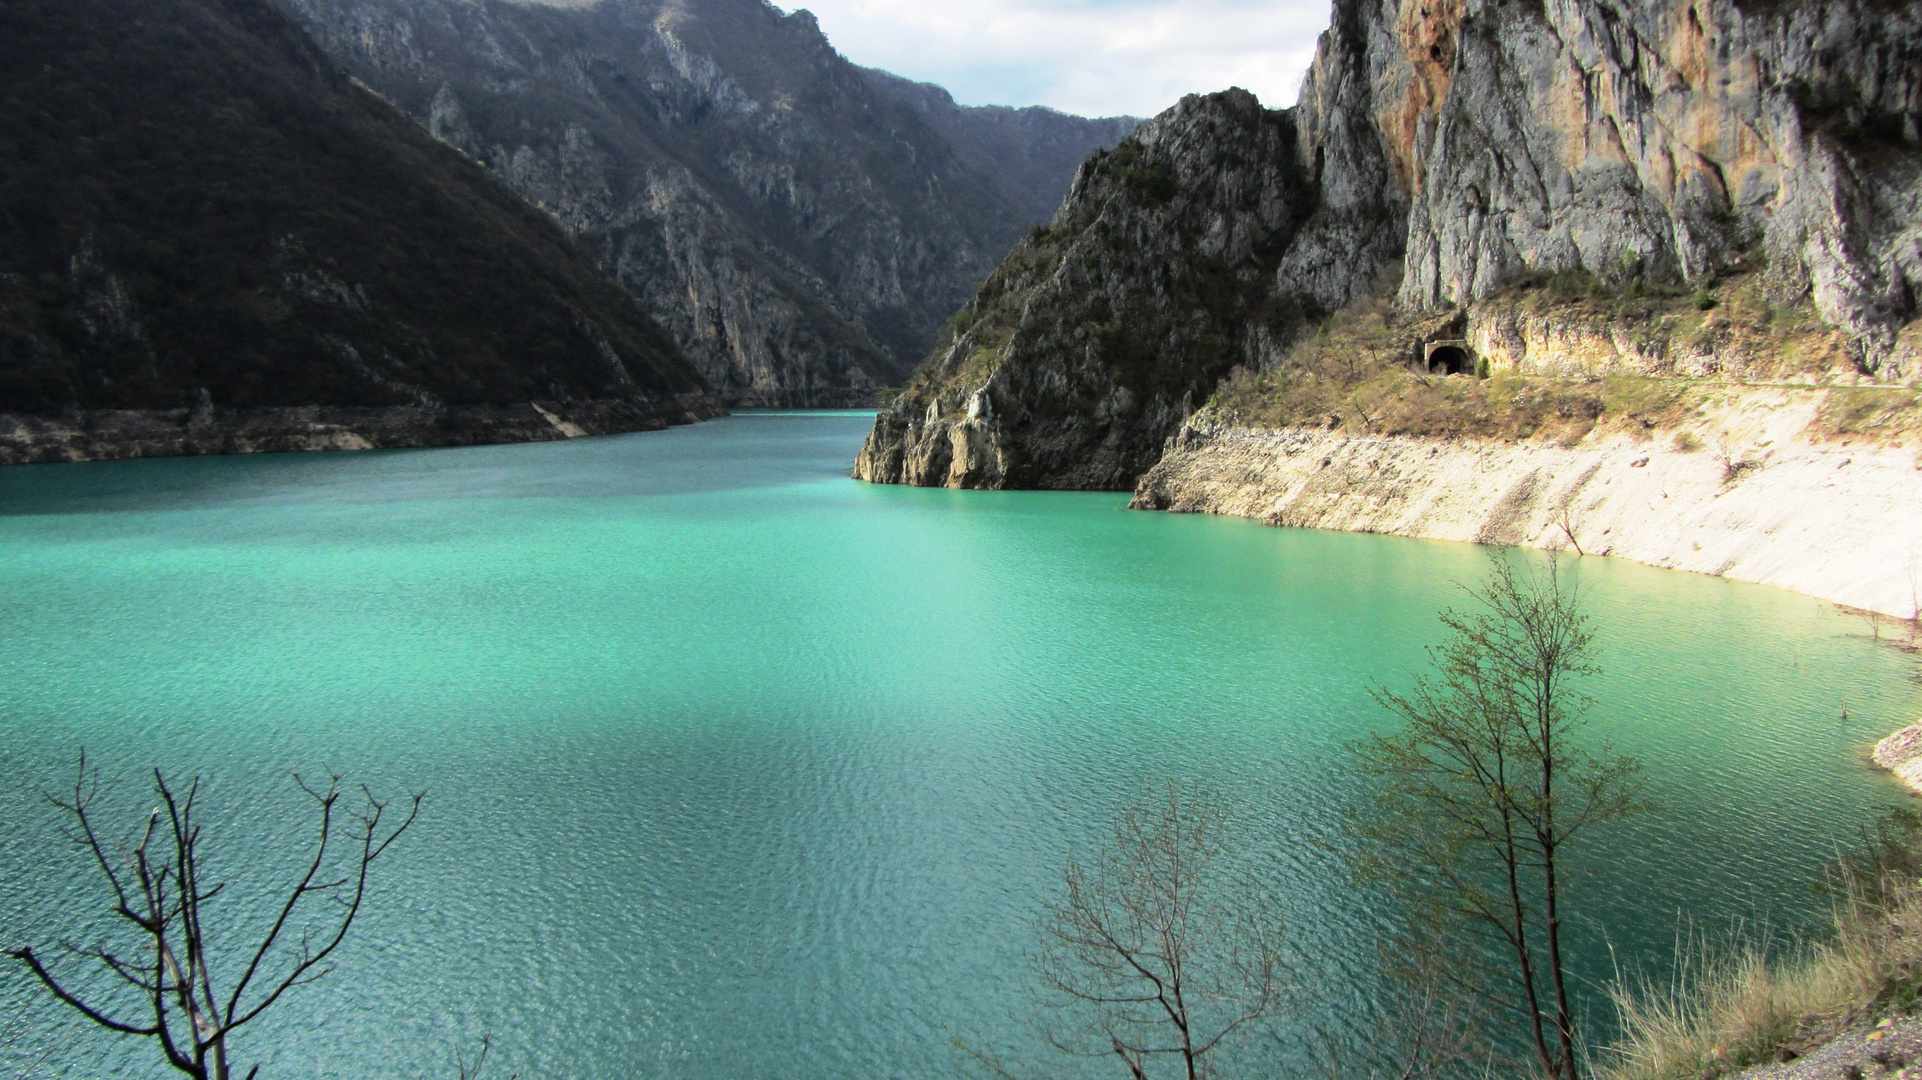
x=1449 y=358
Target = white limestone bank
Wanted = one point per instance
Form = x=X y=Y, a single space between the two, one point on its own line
x=1763 y=501
x=1901 y=754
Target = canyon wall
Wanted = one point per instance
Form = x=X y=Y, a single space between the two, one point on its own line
x=803 y=227
x=211 y=239
x=1450 y=154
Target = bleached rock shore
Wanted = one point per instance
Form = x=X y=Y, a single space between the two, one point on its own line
x=1901 y=754
x=1761 y=501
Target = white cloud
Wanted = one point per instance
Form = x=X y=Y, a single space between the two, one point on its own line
x=1092 y=57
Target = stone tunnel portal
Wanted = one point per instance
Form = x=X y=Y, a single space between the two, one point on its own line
x=1450 y=358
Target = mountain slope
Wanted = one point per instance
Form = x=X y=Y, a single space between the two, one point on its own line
x=202 y=218
x=1679 y=188
x=1106 y=328
x=1030 y=154
x=802 y=234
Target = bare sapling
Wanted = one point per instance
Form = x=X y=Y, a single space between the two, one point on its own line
x=1486 y=792
x=1158 y=956
x=166 y=982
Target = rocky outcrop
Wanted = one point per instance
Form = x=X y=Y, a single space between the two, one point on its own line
x=1102 y=330
x=1901 y=754
x=801 y=234
x=1664 y=142
x=1767 y=496
x=212 y=239
x=1454 y=153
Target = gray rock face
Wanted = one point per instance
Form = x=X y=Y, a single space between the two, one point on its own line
x=1665 y=141
x=1459 y=147
x=800 y=234
x=1102 y=331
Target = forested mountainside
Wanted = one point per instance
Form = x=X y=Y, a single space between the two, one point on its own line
x=1683 y=187
x=201 y=217
x=802 y=227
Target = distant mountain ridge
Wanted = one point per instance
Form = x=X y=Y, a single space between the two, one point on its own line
x=1030 y=154
x=802 y=226
x=210 y=240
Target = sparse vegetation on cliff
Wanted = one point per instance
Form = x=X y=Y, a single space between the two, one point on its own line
x=1356 y=374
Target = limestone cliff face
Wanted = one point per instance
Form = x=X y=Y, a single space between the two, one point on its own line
x=801 y=235
x=1465 y=149
x=1666 y=141
x=1028 y=154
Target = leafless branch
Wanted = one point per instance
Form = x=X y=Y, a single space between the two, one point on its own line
x=160 y=895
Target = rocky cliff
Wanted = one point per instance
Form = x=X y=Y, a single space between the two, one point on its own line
x=801 y=233
x=211 y=240
x=1104 y=329
x=1457 y=156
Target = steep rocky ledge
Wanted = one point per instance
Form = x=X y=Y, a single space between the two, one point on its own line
x=1460 y=157
x=1100 y=332
x=212 y=241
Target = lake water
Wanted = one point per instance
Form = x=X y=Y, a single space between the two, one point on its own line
x=740 y=769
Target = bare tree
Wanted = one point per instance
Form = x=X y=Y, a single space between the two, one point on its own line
x=1487 y=786
x=1157 y=956
x=158 y=893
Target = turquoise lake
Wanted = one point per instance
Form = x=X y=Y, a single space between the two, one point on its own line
x=738 y=769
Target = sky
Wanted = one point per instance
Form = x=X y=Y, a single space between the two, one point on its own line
x=1089 y=57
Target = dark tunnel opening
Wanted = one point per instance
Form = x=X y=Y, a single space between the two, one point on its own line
x=1450 y=360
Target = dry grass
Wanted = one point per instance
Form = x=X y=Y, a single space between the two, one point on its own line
x=1876 y=411
x=1730 y=1007
x=1355 y=373
x=1753 y=335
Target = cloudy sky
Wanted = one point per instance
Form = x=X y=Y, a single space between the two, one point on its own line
x=1092 y=57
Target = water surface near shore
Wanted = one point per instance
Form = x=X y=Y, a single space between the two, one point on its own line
x=739 y=769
